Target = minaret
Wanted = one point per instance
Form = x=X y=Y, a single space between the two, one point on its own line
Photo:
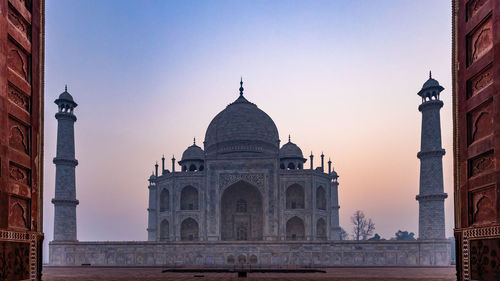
x=334 y=216
x=322 y=162
x=152 y=215
x=311 y=161
x=163 y=165
x=431 y=196
x=65 y=191
x=173 y=164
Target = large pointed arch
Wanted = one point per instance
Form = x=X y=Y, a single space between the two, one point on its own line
x=241 y=212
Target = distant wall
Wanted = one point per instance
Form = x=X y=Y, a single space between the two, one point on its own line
x=318 y=254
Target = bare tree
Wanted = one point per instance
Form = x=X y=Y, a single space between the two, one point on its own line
x=362 y=227
x=343 y=234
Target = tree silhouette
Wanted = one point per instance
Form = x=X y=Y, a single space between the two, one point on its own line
x=404 y=235
x=362 y=226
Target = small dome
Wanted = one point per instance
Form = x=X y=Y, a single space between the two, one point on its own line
x=290 y=150
x=431 y=86
x=430 y=83
x=65 y=96
x=334 y=174
x=152 y=177
x=193 y=152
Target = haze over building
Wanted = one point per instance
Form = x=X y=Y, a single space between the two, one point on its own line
x=244 y=200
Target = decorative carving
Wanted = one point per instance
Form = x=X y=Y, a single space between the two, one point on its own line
x=19 y=136
x=485 y=259
x=17 y=139
x=479 y=82
x=19 y=23
x=482 y=121
x=483 y=209
x=19 y=98
x=227 y=179
x=481 y=164
x=474 y=6
x=17 y=60
x=14 y=260
x=479 y=122
x=19 y=174
x=18 y=213
x=470 y=235
x=481 y=41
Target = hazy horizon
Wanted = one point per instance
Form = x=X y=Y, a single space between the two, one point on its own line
x=341 y=77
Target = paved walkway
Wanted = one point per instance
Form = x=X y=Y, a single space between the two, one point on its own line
x=332 y=274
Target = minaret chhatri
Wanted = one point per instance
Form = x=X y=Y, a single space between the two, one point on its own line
x=431 y=196
x=65 y=190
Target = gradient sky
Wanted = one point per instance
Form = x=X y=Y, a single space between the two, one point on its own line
x=339 y=76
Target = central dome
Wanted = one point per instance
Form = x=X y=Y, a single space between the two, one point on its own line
x=241 y=127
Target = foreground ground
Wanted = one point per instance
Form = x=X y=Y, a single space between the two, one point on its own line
x=155 y=274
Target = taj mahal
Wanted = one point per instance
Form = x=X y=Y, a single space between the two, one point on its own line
x=243 y=186
x=249 y=198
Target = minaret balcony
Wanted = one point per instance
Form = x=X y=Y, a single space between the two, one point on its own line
x=65 y=161
x=430 y=104
x=65 y=115
x=432 y=153
x=65 y=201
x=437 y=197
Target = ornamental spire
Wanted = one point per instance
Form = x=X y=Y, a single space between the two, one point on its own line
x=66 y=87
x=194 y=141
x=241 y=87
x=430 y=74
x=289 y=140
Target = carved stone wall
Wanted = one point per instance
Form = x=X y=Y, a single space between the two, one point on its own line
x=21 y=128
x=220 y=254
x=476 y=106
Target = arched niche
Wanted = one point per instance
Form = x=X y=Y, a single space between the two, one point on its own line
x=321 y=198
x=295 y=197
x=164 y=231
x=164 y=200
x=321 y=229
x=189 y=198
x=295 y=229
x=189 y=230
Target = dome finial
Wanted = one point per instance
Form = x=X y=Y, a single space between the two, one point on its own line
x=430 y=74
x=289 y=140
x=241 y=87
x=194 y=141
x=66 y=87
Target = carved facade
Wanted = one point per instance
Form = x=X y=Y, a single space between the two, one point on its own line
x=243 y=187
x=476 y=102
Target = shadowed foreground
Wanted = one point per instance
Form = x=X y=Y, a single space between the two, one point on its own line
x=155 y=274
